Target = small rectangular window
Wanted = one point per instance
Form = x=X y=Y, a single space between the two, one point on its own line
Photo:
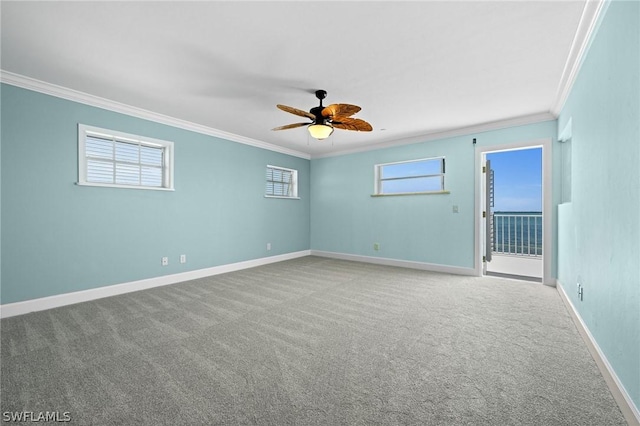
x=410 y=177
x=281 y=182
x=109 y=158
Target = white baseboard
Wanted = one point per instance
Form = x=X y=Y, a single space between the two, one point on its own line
x=620 y=394
x=434 y=267
x=41 y=304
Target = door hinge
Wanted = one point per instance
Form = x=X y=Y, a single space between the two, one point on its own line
x=484 y=214
x=484 y=258
x=484 y=169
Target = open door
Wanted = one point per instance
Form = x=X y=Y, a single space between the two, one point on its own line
x=487 y=212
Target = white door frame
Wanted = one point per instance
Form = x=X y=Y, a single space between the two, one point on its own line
x=547 y=202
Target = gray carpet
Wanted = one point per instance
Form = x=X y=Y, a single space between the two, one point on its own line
x=310 y=341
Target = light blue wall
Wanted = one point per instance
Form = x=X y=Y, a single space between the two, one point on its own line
x=58 y=237
x=599 y=232
x=421 y=228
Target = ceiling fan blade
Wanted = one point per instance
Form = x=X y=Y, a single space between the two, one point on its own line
x=340 y=110
x=356 y=124
x=291 y=126
x=296 y=111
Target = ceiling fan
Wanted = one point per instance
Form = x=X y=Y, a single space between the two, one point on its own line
x=325 y=119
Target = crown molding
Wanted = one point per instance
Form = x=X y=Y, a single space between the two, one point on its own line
x=461 y=131
x=592 y=14
x=589 y=21
x=96 y=101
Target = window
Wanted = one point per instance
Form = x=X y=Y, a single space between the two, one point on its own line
x=410 y=177
x=108 y=158
x=281 y=182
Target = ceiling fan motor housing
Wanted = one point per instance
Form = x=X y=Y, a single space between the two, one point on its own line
x=317 y=111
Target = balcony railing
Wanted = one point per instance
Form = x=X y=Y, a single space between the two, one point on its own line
x=517 y=234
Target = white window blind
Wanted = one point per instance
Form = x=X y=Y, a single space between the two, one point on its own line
x=281 y=182
x=109 y=159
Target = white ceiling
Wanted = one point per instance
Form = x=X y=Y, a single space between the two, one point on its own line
x=415 y=68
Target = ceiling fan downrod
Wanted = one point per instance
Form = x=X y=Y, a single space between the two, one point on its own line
x=317 y=111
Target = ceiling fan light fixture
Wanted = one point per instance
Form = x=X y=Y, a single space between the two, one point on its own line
x=320 y=131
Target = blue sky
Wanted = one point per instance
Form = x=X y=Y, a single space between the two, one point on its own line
x=518 y=180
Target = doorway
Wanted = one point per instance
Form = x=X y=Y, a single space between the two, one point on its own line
x=513 y=200
x=514 y=213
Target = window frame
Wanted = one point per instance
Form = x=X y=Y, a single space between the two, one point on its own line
x=378 y=180
x=294 y=183
x=167 y=163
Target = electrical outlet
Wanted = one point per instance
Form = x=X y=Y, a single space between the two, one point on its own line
x=165 y=261
x=183 y=258
x=268 y=246
x=376 y=246
x=580 y=291
x=455 y=209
